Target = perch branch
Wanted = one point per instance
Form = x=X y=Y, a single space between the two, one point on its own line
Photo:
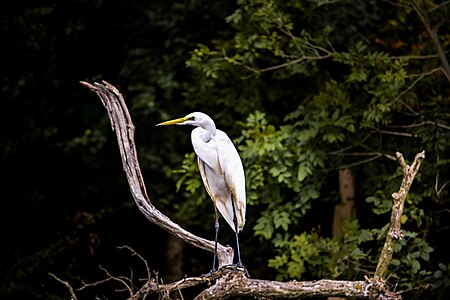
x=394 y=233
x=236 y=284
x=122 y=125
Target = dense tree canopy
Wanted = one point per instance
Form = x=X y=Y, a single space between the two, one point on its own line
x=306 y=89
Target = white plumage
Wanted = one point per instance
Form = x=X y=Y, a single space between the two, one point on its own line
x=221 y=171
x=220 y=166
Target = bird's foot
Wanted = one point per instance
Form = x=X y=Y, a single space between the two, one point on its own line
x=240 y=267
x=210 y=274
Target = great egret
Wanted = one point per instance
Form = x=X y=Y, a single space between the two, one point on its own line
x=221 y=171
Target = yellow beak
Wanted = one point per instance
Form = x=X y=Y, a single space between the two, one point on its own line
x=172 y=122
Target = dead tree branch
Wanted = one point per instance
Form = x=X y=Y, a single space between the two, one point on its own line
x=230 y=282
x=233 y=284
x=394 y=233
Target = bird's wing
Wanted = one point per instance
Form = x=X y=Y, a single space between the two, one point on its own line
x=201 y=167
x=233 y=172
x=206 y=150
x=222 y=174
x=218 y=190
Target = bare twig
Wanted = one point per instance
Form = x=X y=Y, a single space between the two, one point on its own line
x=396 y=4
x=257 y=71
x=438 y=6
x=134 y=253
x=422 y=75
x=398 y=98
x=337 y=152
x=293 y=62
x=110 y=277
x=437 y=124
x=429 y=56
x=152 y=286
x=396 y=133
x=66 y=284
x=360 y=162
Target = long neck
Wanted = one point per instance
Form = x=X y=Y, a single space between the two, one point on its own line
x=209 y=125
x=206 y=131
x=210 y=128
x=205 y=135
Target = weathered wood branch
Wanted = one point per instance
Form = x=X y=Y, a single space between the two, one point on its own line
x=123 y=126
x=394 y=233
x=235 y=284
x=229 y=282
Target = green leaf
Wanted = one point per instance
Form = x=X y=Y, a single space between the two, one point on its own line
x=264 y=227
x=278 y=261
x=281 y=219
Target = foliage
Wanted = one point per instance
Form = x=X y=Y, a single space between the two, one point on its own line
x=369 y=93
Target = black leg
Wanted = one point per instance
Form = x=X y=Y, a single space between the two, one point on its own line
x=216 y=226
x=239 y=263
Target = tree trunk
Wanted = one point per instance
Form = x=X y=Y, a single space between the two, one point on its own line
x=174 y=258
x=345 y=210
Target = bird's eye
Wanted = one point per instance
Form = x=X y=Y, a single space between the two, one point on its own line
x=191 y=118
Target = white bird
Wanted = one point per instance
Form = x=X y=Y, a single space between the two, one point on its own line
x=221 y=171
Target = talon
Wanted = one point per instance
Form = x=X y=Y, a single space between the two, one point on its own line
x=210 y=274
x=239 y=266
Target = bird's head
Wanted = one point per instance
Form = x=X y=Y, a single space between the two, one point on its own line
x=198 y=119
